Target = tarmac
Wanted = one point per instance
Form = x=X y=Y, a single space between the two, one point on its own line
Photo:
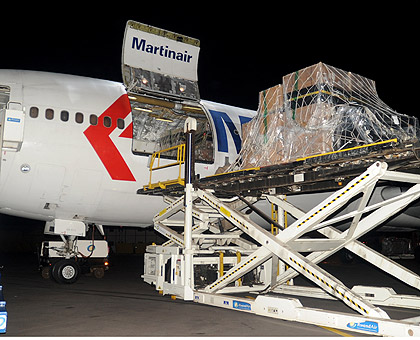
x=121 y=304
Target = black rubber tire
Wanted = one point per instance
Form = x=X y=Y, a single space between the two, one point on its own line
x=98 y=273
x=46 y=272
x=66 y=271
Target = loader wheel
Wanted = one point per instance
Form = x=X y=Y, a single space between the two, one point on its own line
x=66 y=271
x=45 y=272
x=98 y=273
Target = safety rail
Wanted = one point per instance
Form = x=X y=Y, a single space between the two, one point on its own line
x=180 y=159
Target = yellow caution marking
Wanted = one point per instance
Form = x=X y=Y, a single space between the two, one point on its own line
x=329 y=285
x=162 y=212
x=336 y=331
x=250 y=297
x=225 y=211
x=230 y=274
x=333 y=200
x=239 y=222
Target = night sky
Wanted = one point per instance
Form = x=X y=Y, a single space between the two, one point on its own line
x=244 y=49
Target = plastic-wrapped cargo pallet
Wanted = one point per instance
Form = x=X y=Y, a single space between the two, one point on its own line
x=317 y=110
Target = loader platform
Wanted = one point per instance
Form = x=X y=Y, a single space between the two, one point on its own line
x=312 y=174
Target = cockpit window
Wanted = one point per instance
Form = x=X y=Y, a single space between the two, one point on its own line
x=158 y=125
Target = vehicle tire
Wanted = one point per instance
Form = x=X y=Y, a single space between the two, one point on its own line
x=66 y=271
x=46 y=272
x=98 y=273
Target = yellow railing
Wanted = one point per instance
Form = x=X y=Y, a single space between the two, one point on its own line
x=156 y=157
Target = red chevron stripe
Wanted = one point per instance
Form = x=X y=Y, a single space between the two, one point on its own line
x=98 y=136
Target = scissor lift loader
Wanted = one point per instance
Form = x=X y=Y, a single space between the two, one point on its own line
x=215 y=249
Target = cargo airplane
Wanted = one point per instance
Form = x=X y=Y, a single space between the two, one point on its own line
x=75 y=150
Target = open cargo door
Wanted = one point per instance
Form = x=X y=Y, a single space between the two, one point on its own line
x=159 y=69
x=159 y=62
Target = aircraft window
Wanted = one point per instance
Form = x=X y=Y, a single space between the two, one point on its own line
x=107 y=121
x=120 y=123
x=79 y=117
x=64 y=116
x=49 y=114
x=93 y=119
x=33 y=112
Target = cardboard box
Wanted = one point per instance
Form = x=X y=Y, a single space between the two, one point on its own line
x=312 y=116
x=320 y=84
x=297 y=118
x=271 y=100
x=246 y=128
x=315 y=75
x=276 y=153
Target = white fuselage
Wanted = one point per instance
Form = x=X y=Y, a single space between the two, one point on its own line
x=67 y=167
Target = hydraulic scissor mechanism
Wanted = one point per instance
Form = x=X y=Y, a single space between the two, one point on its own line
x=214 y=248
x=231 y=253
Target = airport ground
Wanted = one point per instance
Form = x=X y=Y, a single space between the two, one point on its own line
x=121 y=304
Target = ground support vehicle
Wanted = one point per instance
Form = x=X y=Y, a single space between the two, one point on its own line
x=88 y=256
x=215 y=252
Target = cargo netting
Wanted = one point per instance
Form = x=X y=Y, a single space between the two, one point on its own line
x=319 y=110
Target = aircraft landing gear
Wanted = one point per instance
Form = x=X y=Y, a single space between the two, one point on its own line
x=65 y=260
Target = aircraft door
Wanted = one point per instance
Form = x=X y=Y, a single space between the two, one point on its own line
x=4 y=101
x=13 y=124
x=12 y=120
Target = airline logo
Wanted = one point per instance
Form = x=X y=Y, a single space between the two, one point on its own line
x=99 y=137
x=159 y=51
x=221 y=119
x=162 y=51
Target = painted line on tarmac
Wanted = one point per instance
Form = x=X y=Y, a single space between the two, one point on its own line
x=336 y=331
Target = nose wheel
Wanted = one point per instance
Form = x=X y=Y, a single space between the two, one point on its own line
x=65 y=271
